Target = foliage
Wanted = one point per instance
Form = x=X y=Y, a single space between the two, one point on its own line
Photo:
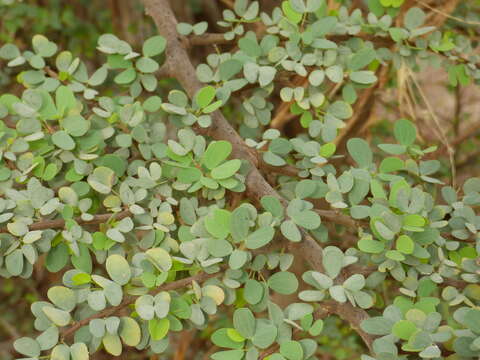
x=117 y=182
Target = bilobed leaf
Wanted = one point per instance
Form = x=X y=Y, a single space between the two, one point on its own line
x=205 y=96
x=405 y=244
x=283 y=282
x=158 y=328
x=118 y=269
x=377 y=325
x=62 y=297
x=130 y=331
x=414 y=18
x=360 y=151
x=102 y=179
x=226 y=170
x=260 y=237
x=218 y=223
x=112 y=344
x=253 y=291
x=79 y=351
x=63 y=140
x=244 y=322
x=332 y=261
x=216 y=153
x=57 y=316
x=292 y=350
x=160 y=258
x=363 y=77
x=404 y=329
x=405 y=132
x=27 y=346
x=154 y=46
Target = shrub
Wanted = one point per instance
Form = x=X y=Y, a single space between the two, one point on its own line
x=242 y=203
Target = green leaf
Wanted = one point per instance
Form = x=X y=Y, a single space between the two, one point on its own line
x=57 y=316
x=260 y=237
x=414 y=220
x=146 y=65
x=291 y=231
x=118 y=269
x=222 y=339
x=62 y=297
x=316 y=328
x=405 y=132
x=158 y=328
x=62 y=140
x=204 y=96
x=229 y=69
x=360 y=151
x=75 y=125
x=43 y=46
x=391 y=164
x=57 y=258
x=112 y=344
x=154 y=46
x=377 y=325
x=371 y=246
x=292 y=350
x=79 y=351
x=414 y=18
x=363 y=77
x=244 y=322
x=27 y=346
x=60 y=352
x=332 y=261
x=216 y=153
x=361 y=59
x=153 y=103
x=226 y=170
x=265 y=335
x=14 y=262
x=130 y=331
x=218 y=223
x=292 y=15
x=283 y=282
x=228 y=355
x=160 y=258
x=404 y=329
x=102 y=179
x=253 y=291
x=405 y=244
x=65 y=100
x=126 y=76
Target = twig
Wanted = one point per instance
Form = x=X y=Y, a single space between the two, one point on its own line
x=60 y=223
x=131 y=299
x=207 y=39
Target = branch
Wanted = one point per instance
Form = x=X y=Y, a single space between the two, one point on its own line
x=60 y=223
x=179 y=66
x=131 y=299
x=207 y=39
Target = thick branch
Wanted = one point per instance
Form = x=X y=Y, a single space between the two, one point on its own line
x=179 y=66
x=60 y=223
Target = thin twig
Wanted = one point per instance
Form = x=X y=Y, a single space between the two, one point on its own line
x=131 y=299
x=60 y=223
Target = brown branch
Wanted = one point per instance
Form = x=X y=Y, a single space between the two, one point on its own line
x=179 y=66
x=131 y=299
x=60 y=223
x=207 y=39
